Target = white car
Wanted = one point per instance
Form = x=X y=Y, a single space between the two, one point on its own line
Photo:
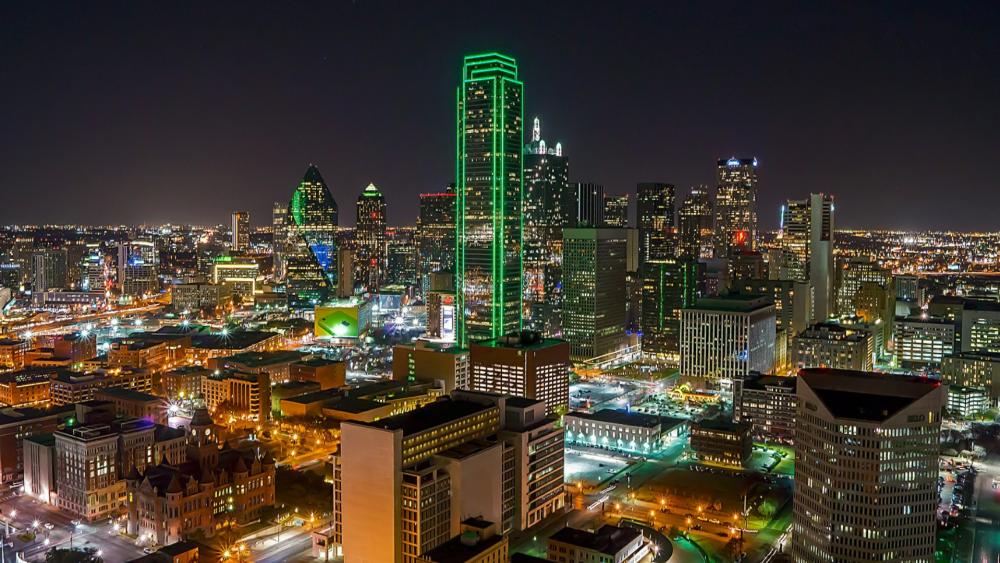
x=49 y=526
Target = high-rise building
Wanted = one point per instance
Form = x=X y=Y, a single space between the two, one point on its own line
x=522 y=365
x=655 y=205
x=310 y=249
x=922 y=341
x=240 y=274
x=48 y=270
x=694 y=224
x=727 y=336
x=792 y=302
x=489 y=170
x=548 y=207
x=866 y=467
x=980 y=326
x=616 y=211
x=240 y=233
x=401 y=257
x=370 y=239
x=94 y=271
x=807 y=237
x=866 y=289
x=767 y=404
x=735 y=205
x=668 y=286
x=588 y=205
x=593 y=317
x=436 y=233
x=279 y=238
x=138 y=265
x=833 y=346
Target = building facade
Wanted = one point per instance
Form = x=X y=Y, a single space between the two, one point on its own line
x=593 y=318
x=728 y=336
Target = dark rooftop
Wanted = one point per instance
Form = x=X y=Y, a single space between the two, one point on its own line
x=47 y=439
x=317 y=362
x=236 y=340
x=456 y=550
x=722 y=425
x=522 y=402
x=615 y=416
x=526 y=340
x=354 y=406
x=734 y=302
x=130 y=395
x=608 y=539
x=260 y=359
x=760 y=382
x=865 y=396
x=430 y=416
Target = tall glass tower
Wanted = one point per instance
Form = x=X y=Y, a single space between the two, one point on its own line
x=311 y=246
x=489 y=173
x=370 y=239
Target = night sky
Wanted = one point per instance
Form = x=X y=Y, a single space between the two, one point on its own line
x=172 y=111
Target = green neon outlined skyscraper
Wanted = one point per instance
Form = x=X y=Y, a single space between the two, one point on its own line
x=489 y=174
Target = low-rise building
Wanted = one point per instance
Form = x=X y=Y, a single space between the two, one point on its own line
x=609 y=544
x=767 y=404
x=193 y=297
x=15 y=426
x=722 y=442
x=26 y=388
x=973 y=369
x=276 y=364
x=622 y=430
x=75 y=347
x=479 y=542
x=288 y=390
x=834 y=346
x=966 y=402
x=921 y=342
x=329 y=374
x=130 y=403
x=71 y=387
x=432 y=360
x=183 y=382
x=242 y=395
x=40 y=467
x=12 y=352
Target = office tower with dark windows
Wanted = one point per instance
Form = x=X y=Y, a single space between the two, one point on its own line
x=694 y=224
x=616 y=211
x=370 y=240
x=138 y=268
x=594 y=301
x=436 y=233
x=548 y=206
x=48 y=270
x=310 y=248
x=866 y=290
x=668 y=286
x=588 y=205
x=735 y=205
x=833 y=346
x=489 y=214
x=655 y=206
x=866 y=467
x=806 y=236
x=240 y=231
x=401 y=257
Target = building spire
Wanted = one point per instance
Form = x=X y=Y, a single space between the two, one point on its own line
x=536 y=131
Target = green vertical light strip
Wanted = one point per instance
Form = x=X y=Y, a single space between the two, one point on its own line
x=497 y=280
x=460 y=210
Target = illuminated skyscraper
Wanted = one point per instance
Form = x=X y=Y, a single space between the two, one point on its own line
x=369 y=239
x=594 y=304
x=807 y=239
x=279 y=238
x=436 y=232
x=48 y=270
x=310 y=258
x=548 y=206
x=694 y=224
x=241 y=230
x=735 y=205
x=489 y=171
x=668 y=285
x=655 y=205
x=138 y=265
x=401 y=257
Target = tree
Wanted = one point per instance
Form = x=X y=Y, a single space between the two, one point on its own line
x=304 y=490
x=60 y=555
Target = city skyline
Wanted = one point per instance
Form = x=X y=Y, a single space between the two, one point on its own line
x=182 y=115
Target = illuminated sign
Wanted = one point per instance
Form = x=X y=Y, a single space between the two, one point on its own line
x=741 y=237
x=448 y=322
x=350 y=320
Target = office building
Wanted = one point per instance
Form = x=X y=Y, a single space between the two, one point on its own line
x=593 y=317
x=243 y=395
x=851 y=274
x=26 y=387
x=866 y=467
x=205 y=491
x=922 y=341
x=138 y=268
x=735 y=205
x=967 y=402
x=767 y=404
x=183 y=382
x=622 y=430
x=279 y=238
x=588 y=205
x=616 y=211
x=436 y=232
x=70 y=387
x=655 y=206
x=833 y=346
x=807 y=237
x=608 y=543
x=722 y=442
x=908 y=290
x=973 y=369
x=549 y=204
x=980 y=326
x=194 y=297
x=522 y=365
x=309 y=249
x=432 y=361
x=401 y=258
x=94 y=271
x=792 y=302
x=239 y=274
x=240 y=231
x=16 y=426
x=48 y=270
x=489 y=214
x=12 y=352
x=328 y=374
x=727 y=336
x=370 y=239
x=695 y=220
x=668 y=286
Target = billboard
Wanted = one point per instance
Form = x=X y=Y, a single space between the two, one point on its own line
x=342 y=321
